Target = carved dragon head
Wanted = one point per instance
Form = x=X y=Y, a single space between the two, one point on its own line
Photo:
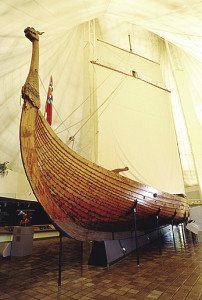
x=32 y=34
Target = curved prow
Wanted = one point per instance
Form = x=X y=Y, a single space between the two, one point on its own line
x=30 y=90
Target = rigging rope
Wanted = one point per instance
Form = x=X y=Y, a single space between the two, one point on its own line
x=120 y=83
x=82 y=102
x=63 y=121
x=121 y=61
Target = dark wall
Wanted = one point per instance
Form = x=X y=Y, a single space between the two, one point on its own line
x=10 y=208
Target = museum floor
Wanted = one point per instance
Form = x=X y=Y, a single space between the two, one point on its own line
x=176 y=274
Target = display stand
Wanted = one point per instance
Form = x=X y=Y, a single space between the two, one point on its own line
x=158 y=230
x=107 y=252
x=194 y=229
x=172 y=224
x=135 y=229
x=60 y=262
x=22 y=241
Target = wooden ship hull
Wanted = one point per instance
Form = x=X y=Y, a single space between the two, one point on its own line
x=84 y=200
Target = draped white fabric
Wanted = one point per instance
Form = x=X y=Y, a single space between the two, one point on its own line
x=69 y=42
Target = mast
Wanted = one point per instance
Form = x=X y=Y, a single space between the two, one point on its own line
x=88 y=134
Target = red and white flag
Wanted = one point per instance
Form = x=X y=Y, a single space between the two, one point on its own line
x=49 y=102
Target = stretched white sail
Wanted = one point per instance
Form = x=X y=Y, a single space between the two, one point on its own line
x=135 y=120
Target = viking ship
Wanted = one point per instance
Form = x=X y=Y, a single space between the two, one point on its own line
x=83 y=199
